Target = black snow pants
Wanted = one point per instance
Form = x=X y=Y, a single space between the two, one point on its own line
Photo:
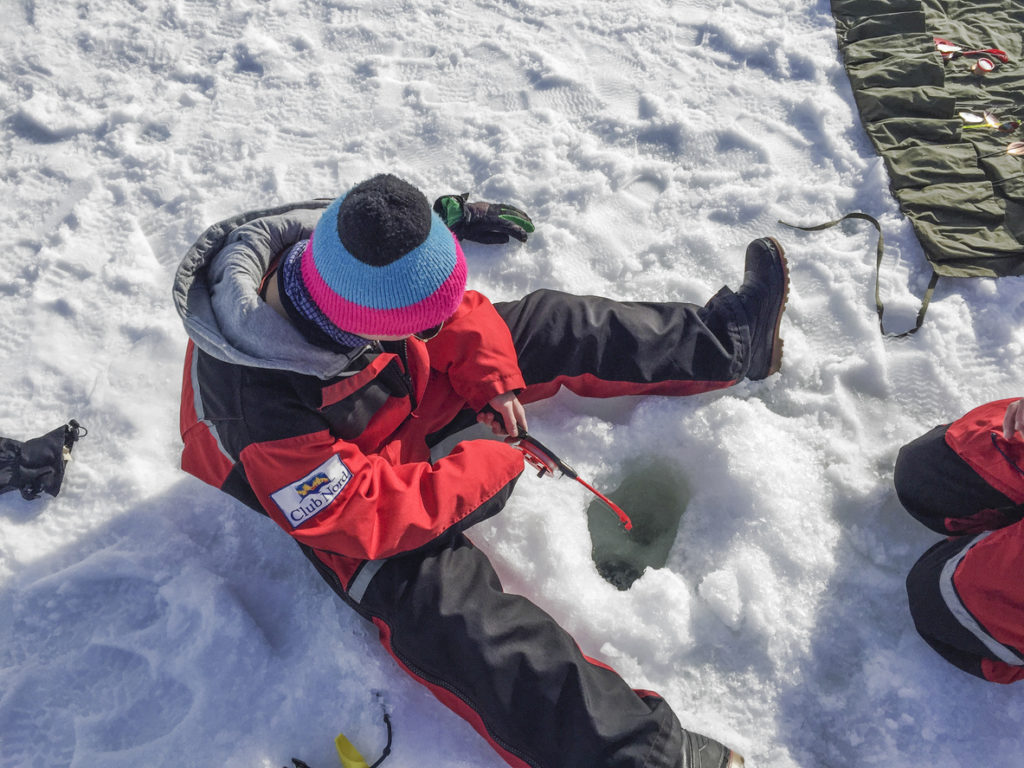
x=495 y=658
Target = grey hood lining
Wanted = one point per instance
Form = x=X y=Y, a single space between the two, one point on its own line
x=216 y=293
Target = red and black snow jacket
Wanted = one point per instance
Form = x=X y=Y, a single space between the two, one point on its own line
x=341 y=463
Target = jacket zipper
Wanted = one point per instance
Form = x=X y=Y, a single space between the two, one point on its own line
x=406 y=376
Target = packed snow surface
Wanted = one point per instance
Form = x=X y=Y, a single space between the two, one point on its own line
x=149 y=620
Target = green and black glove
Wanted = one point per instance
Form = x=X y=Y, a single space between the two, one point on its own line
x=482 y=222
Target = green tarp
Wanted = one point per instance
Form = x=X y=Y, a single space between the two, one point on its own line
x=954 y=180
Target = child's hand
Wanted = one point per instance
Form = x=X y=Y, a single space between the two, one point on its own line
x=1013 y=421
x=505 y=415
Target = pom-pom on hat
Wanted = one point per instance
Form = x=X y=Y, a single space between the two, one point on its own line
x=381 y=262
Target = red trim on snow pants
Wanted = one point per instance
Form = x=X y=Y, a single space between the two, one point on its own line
x=510 y=670
x=966 y=595
x=597 y=347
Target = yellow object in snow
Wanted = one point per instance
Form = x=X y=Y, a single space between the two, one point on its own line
x=348 y=754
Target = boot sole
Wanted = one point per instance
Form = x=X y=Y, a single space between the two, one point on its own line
x=776 y=361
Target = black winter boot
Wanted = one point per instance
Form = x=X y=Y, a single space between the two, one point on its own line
x=701 y=752
x=763 y=293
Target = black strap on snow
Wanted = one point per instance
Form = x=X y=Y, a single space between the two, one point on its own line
x=383 y=755
x=387 y=747
x=880 y=249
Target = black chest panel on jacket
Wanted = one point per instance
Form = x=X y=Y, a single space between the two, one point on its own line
x=251 y=405
x=349 y=417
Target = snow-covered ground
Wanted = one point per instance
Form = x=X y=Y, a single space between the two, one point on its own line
x=147 y=620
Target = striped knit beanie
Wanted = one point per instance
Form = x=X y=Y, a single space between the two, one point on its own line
x=380 y=263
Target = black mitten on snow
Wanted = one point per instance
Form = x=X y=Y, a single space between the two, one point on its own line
x=37 y=465
x=482 y=222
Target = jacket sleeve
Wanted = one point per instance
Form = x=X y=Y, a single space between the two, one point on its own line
x=330 y=496
x=475 y=350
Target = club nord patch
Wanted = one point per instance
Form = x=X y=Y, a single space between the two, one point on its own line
x=302 y=500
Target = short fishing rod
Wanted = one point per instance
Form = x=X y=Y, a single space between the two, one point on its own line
x=543 y=459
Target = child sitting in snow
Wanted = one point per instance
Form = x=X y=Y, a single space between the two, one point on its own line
x=332 y=344
x=966 y=480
